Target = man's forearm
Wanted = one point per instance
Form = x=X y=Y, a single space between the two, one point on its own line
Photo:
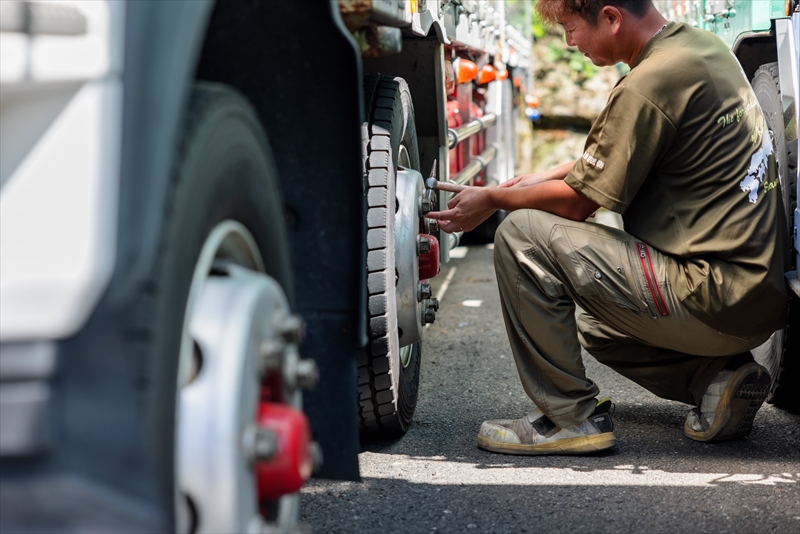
x=553 y=196
x=546 y=191
x=556 y=173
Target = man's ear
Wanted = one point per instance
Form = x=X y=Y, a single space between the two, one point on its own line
x=612 y=17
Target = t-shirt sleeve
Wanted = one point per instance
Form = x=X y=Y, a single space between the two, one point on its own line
x=626 y=141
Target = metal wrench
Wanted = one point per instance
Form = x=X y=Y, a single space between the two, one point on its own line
x=432 y=184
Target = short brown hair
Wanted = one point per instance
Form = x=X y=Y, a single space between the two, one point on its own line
x=551 y=10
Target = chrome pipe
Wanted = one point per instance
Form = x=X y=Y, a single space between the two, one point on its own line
x=455 y=136
x=475 y=166
x=454 y=239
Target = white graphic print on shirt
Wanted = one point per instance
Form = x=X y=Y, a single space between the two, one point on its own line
x=758 y=166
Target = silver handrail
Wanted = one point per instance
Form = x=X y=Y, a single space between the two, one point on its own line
x=455 y=136
x=475 y=166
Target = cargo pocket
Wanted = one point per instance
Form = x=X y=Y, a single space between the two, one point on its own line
x=647 y=261
x=598 y=267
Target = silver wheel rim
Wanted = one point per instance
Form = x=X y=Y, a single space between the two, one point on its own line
x=409 y=307
x=231 y=312
x=405 y=355
x=403 y=159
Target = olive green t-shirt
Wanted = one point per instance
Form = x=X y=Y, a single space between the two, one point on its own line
x=682 y=151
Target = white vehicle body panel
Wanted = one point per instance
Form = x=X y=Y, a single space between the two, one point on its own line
x=60 y=132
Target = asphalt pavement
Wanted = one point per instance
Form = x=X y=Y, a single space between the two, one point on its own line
x=436 y=479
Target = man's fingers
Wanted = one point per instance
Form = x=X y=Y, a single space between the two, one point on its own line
x=446 y=215
x=450 y=226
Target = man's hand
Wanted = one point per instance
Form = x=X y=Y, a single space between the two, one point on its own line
x=467 y=210
x=546 y=191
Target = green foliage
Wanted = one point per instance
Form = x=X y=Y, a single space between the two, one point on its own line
x=579 y=65
x=557 y=50
x=538 y=27
x=515 y=15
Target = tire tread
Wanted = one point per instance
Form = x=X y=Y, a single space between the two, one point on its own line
x=378 y=413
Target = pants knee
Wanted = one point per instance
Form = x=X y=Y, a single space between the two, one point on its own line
x=523 y=230
x=503 y=249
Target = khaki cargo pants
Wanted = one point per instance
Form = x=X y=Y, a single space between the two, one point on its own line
x=629 y=317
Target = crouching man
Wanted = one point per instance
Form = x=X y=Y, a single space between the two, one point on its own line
x=677 y=300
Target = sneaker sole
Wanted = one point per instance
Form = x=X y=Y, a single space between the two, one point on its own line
x=579 y=445
x=743 y=396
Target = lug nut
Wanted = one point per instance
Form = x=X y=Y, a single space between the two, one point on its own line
x=425 y=205
x=259 y=443
x=270 y=351
x=424 y=245
x=424 y=292
x=430 y=316
x=292 y=329
x=307 y=374
x=297 y=373
x=434 y=303
x=432 y=226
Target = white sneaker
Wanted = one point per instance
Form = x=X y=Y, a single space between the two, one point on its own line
x=729 y=405
x=535 y=434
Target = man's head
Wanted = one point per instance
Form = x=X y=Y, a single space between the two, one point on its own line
x=551 y=11
x=605 y=31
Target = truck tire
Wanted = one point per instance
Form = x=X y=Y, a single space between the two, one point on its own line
x=766 y=86
x=224 y=173
x=388 y=375
x=781 y=353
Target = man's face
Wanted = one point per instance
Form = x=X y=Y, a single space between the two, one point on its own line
x=595 y=42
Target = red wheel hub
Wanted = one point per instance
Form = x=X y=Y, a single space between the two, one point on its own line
x=291 y=465
x=429 y=261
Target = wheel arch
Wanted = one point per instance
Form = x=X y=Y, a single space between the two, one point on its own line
x=161 y=46
x=421 y=63
x=753 y=50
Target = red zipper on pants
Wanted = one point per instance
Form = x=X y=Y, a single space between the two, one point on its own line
x=650 y=276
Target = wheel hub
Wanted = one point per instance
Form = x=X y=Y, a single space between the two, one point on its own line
x=410 y=306
x=231 y=452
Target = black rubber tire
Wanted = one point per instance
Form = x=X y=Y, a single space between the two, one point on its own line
x=781 y=354
x=224 y=171
x=766 y=86
x=387 y=391
x=786 y=389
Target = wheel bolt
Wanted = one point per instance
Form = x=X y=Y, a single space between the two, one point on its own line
x=292 y=329
x=425 y=205
x=430 y=315
x=432 y=226
x=434 y=303
x=424 y=292
x=307 y=374
x=424 y=245
x=271 y=350
x=260 y=444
